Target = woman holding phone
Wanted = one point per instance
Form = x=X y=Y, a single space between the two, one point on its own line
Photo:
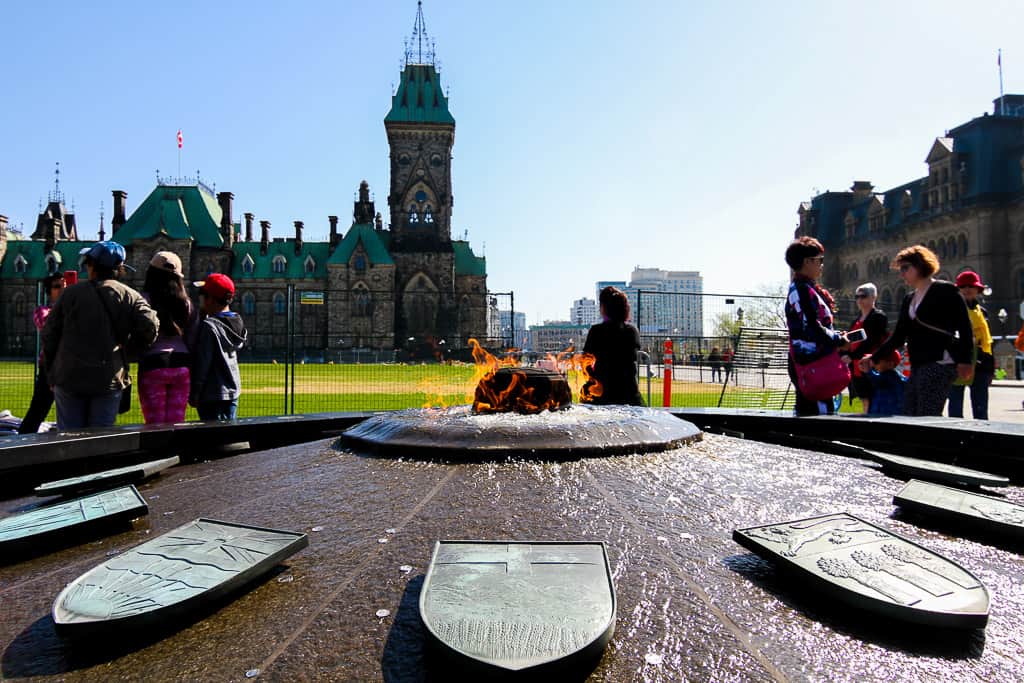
x=866 y=334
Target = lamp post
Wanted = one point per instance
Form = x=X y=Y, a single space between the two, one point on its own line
x=1003 y=315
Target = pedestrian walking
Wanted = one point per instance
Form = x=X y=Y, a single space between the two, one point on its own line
x=85 y=338
x=715 y=362
x=934 y=324
x=164 y=378
x=971 y=287
x=216 y=382
x=42 y=394
x=812 y=337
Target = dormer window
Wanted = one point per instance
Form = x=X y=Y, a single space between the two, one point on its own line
x=20 y=265
x=310 y=265
x=52 y=264
x=851 y=225
x=248 y=265
x=279 y=264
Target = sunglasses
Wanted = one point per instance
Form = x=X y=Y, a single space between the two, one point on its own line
x=904 y=267
x=861 y=296
x=818 y=259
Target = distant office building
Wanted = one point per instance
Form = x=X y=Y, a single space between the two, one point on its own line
x=513 y=329
x=557 y=335
x=583 y=312
x=667 y=301
x=601 y=284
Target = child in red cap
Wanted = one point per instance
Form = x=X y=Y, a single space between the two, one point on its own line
x=887 y=386
x=216 y=383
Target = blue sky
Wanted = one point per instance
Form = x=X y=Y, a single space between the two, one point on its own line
x=591 y=137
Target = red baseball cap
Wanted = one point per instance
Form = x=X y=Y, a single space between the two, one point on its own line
x=969 y=278
x=217 y=285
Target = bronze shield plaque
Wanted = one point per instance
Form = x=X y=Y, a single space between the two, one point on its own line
x=517 y=606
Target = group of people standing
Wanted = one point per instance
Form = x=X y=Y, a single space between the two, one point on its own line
x=92 y=330
x=942 y=324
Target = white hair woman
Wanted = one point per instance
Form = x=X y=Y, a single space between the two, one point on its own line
x=874 y=323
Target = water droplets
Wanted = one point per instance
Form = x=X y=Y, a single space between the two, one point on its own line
x=405 y=568
x=252 y=673
x=653 y=658
x=382 y=613
x=317 y=528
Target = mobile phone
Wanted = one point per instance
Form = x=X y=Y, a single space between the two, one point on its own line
x=858 y=335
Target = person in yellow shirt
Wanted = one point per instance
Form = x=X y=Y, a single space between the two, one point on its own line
x=971 y=287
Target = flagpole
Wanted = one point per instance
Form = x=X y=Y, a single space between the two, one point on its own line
x=999 y=61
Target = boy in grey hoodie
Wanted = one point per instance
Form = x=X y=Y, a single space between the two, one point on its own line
x=216 y=383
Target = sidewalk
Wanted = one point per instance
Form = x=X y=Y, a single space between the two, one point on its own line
x=1005 y=401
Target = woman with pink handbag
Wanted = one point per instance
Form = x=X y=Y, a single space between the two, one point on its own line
x=817 y=371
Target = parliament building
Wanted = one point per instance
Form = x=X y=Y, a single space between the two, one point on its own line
x=406 y=285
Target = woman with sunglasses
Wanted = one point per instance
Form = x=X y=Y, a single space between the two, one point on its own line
x=935 y=326
x=874 y=324
x=809 y=309
x=42 y=395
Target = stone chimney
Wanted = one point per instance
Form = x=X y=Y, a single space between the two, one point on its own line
x=118 y=219
x=227 y=229
x=248 y=226
x=298 y=237
x=862 y=188
x=264 y=237
x=335 y=237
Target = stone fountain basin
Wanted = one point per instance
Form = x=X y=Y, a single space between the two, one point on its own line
x=578 y=431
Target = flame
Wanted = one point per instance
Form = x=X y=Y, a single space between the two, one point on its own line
x=488 y=397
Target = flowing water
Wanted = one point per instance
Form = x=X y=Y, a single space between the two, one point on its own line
x=692 y=605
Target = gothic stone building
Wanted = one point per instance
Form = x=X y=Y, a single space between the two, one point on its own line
x=407 y=286
x=969 y=209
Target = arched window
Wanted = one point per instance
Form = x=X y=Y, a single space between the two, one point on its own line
x=279 y=306
x=279 y=264
x=52 y=264
x=413 y=216
x=963 y=246
x=951 y=245
x=249 y=303
x=20 y=265
x=359 y=263
x=19 y=304
x=310 y=265
x=428 y=215
x=941 y=249
x=886 y=300
x=362 y=303
x=248 y=265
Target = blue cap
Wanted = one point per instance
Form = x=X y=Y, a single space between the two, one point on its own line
x=108 y=254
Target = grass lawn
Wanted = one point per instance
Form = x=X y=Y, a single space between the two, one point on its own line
x=328 y=388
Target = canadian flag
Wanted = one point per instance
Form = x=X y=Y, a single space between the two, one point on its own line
x=181 y=139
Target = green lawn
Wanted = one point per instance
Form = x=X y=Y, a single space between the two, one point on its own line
x=329 y=388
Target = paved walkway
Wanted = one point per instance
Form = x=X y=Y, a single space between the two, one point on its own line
x=1005 y=401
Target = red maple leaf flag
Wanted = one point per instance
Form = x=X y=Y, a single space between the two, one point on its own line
x=181 y=139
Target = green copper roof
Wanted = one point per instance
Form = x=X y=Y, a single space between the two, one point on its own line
x=33 y=252
x=374 y=243
x=466 y=262
x=419 y=98
x=183 y=212
x=295 y=265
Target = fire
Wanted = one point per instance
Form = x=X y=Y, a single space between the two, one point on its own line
x=509 y=391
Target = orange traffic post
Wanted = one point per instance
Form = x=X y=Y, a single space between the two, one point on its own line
x=666 y=360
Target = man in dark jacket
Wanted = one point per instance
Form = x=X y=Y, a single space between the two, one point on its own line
x=84 y=340
x=216 y=383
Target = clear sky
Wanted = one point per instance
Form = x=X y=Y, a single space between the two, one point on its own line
x=592 y=136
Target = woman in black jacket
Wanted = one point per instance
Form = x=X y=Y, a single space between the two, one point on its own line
x=875 y=324
x=934 y=323
x=614 y=344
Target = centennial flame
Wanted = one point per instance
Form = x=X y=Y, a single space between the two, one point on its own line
x=493 y=395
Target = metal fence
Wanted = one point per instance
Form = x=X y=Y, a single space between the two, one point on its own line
x=727 y=350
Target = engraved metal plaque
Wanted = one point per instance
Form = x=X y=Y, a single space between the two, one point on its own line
x=167 y=576
x=133 y=474
x=937 y=471
x=867 y=567
x=986 y=513
x=77 y=516
x=519 y=606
